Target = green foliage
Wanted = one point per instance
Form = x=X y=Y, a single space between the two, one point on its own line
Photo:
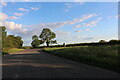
x=10 y=41
x=11 y=50
x=103 y=56
x=13 y=42
x=3 y=34
x=114 y=41
x=102 y=41
x=35 y=37
x=47 y=36
x=36 y=43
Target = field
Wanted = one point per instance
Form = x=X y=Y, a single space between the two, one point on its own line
x=102 y=56
x=11 y=50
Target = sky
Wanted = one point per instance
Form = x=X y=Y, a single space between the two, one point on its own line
x=73 y=22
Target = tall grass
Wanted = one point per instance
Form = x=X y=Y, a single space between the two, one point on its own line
x=103 y=56
x=11 y=50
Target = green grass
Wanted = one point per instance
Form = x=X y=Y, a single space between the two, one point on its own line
x=10 y=51
x=102 y=56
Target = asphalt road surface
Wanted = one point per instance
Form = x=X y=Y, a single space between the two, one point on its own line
x=34 y=63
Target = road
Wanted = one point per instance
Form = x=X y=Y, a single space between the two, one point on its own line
x=34 y=63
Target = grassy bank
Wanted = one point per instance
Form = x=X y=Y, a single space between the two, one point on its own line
x=102 y=56
x=11 y=50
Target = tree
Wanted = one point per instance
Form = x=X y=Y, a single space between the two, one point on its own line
x=47 y=36
x=12 y=41
x=35 y=37
x=3 y=35
x=102 y=41
x=114 y=41
x=19 y=41
x=36 y=42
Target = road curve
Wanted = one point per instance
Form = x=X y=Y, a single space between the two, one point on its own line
x=34 y=63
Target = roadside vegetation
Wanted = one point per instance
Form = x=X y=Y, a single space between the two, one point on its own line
x=9 y=43
x=11 y=50
x=102 y=56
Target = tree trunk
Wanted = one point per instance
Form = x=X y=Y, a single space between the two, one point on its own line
x=47 y=44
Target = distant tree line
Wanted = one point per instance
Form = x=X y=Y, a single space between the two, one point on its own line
x=101 y=42
x=9 y=41
x=46 y=36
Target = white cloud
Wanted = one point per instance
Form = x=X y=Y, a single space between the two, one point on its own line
x=3 y=3
x=18 y=14
x=82 y=30
x=24 y=31
x=78 y=31
x=90 y=24
x=69 y=5
x=81 y=3
x=4 y=16
x=23 y=9
x=66 y=10
x=61 y=33
x=13 y=17
x=77 y=26
x=32 y=8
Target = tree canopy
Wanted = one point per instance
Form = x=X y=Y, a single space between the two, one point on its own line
x=47 y=36
x=10 y=41
x=36 y=42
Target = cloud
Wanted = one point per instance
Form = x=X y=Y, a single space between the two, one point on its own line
x=32 y=8
x=78 y=31
x=26 y=32
x=61 y=33
x=66 y=10
x=82 y=30
x=89 y=24
x=4 y=16
x=69 y=5
x=23 y=9
x=13 y=17
x=3 y=3
x=18 y=14
x=81 y=3
x=92 y=23
x=60 y=24
x=11 y=26
x=77 y=26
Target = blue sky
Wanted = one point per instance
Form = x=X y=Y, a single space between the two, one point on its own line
x=73 y=22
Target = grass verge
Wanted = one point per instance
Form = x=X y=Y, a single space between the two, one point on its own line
x=10 y=50
x=102 y=56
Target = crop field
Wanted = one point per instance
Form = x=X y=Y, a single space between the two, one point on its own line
x=102 y=56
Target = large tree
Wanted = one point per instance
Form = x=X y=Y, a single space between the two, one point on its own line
x=3 y=34
x=36 y=42
x=47 y=36
x=9 y=41
x=12 y=41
